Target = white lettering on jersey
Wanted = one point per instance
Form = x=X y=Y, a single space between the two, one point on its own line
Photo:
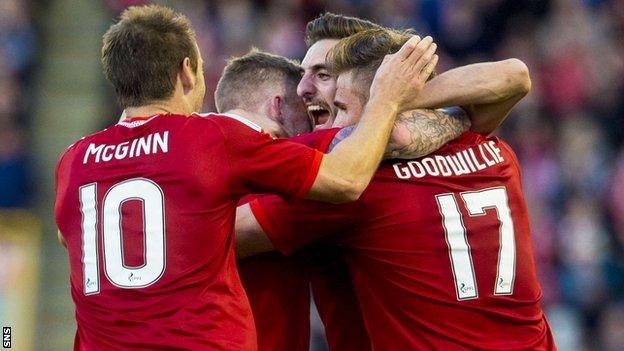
x=151 y=144
x=93 y=150
x=462 y=162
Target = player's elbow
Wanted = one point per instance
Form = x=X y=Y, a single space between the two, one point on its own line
x=400 y=140
x=348 y=190
x=518 y=75
x=353 y=192
x=339 y=181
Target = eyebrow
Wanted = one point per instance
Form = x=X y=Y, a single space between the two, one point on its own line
x=318 y=67
x=340 y=105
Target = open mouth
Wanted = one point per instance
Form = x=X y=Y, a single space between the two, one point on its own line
x=319 y=114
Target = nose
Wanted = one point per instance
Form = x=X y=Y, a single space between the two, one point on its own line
x=305 y=88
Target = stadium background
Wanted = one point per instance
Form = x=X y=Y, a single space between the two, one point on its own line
x=568 y=133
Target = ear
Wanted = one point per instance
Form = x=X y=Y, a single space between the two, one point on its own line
x=274 y=108
x=187 y=76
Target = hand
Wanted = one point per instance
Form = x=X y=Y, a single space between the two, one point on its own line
x=268 y=125
x=402 y=76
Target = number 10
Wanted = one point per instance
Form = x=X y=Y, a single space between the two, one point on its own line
x=476 y=203
x=120 y=275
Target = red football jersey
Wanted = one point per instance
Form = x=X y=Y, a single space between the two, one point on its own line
x=147 y=210
x=335 y=298
x=278 y=288
x=438 y=248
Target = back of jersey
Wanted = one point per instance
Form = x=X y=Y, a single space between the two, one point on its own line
x=445 y=253
x=146 y=209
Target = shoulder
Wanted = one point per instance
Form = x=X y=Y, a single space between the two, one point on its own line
x=70 y=156
x=319 y=139
x=226 y=120
x=79 y=144
x=469 y=137
x=507 y=149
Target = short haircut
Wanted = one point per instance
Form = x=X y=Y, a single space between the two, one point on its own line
x=245 y=79
x=332 y=26
x=143 y=52
x=362 y=53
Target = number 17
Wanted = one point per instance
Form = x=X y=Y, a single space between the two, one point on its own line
x=476 y=203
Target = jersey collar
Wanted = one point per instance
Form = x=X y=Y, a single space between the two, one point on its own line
x=136 y=121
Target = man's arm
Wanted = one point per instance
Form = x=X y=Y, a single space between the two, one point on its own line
x=418 y=133
x=250 y=237
x=346 y=171
x=271 y=223
x=487 y=91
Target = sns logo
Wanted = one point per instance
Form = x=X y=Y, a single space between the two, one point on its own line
x=132 y=278
x=89 y=283
x=464 y=289
x=6 y=337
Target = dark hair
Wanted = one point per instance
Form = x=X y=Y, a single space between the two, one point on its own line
x=244 y=76
x=332 y=26
x=142 y=53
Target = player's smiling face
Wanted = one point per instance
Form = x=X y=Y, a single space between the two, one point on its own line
x=349 y=102
x=317 y=86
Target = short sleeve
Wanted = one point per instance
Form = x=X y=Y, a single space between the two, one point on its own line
x=293 y=224
x=261 y=164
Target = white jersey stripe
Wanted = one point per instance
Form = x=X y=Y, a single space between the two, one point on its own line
x=241 y=119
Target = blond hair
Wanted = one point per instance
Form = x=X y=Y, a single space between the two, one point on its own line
x=362 y=53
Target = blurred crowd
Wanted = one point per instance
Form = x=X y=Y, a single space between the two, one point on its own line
x=568 y=133
x=18 y=50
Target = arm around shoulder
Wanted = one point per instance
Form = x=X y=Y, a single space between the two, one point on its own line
x=250 y=237
x=346 y=171
x=510 y=82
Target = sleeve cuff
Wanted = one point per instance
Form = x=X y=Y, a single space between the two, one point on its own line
x=312 y=173
x=269 y=230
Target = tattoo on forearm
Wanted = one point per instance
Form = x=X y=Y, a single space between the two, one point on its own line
x=424 y=131
x=418 y=132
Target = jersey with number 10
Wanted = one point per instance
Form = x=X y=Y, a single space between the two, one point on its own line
x=147 y=208
x=438 y=248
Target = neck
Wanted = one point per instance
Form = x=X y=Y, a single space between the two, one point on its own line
x=155 y=109
x=241 y=112
x=250 y=115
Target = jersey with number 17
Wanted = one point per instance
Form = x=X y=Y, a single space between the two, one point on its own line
x=147 y=208
x=438 y=248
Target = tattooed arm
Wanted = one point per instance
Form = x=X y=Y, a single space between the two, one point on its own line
x=486 y=90
x=418 y=133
